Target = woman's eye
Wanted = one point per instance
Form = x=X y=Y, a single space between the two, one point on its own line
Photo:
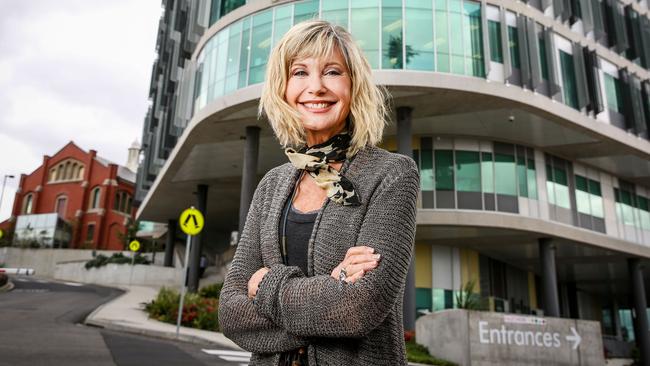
x=299 y=73
x=332 y=72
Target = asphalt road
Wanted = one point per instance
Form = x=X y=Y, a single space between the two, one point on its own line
x=40 y=324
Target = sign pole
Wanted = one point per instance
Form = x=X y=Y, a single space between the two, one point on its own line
x=132 y=263
x=183 y=285
x=134 y=246
x=191 y=222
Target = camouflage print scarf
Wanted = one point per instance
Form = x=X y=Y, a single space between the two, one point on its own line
x=314 y=161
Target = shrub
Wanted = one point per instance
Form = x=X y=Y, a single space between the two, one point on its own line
x=211 y=291
x=117 y=258
x=419 y=354
x=198 y=311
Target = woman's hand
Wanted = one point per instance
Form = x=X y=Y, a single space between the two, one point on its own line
x=358 y=261
x=254 y=282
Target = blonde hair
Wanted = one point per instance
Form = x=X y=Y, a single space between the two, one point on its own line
x=320 y=39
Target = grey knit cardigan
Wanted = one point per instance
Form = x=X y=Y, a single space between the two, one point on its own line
x=342 y=324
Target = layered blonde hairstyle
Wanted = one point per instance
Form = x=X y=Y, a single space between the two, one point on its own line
x=320 y=39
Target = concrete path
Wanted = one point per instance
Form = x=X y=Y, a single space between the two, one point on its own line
x=126 y=314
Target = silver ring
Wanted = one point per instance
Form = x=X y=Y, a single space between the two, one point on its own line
x=343 y=274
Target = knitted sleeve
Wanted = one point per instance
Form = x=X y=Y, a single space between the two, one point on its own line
x=238 y=317
x=321 y=306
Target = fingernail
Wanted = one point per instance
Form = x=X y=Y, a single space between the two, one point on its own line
x=376 y=256
x=371 y=250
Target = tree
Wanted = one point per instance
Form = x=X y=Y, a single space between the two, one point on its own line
x=394 y=52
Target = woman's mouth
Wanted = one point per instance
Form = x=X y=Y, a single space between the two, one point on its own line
x=317 y=106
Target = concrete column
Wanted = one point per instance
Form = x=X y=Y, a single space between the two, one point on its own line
x=171 y=241
x=195 y=250
x=249 y=173
x=404 y=147
x=550 y=301
x=639 y=306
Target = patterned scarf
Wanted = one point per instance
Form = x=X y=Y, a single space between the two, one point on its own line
x=314 y=161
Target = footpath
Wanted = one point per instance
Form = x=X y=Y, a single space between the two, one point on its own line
x=125 y=313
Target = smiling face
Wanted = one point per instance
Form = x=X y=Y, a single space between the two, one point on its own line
x=319 y=89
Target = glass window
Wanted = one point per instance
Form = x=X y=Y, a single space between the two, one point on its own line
x=364 y=24
x=229 y=5
x=60 y=206
x=221 y=59
x=27 y=207
x=90 y=232
x=582 y=195
x=561 y=188
x=456 y=37
x=644 y=212
x=522 y=179
x=569 y=78
x=531 y=177
x=487 y=172
x=260 y=46
x=596 y=199
x=504 y=170
x=542 y=59
x=473 y=39
x=496 y=47
x=335 y=12
x=244 y=53
x=94 y=201
x=613 y=93
x=468 y=171
x=305 y=10
x=419 y=42
x=392 y=34
x=513 y=45
x=426 y=174
x=444 y=163
x=442 y=36
x=232 y=65
x=282 y=22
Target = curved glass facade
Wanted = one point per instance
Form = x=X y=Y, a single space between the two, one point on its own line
x=419 y=36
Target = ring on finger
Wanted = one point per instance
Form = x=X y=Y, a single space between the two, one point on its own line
x=343 y=274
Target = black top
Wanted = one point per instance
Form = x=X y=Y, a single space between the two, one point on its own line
x=298 y=232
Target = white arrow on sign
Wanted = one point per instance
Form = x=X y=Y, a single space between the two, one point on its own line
x=575 y=338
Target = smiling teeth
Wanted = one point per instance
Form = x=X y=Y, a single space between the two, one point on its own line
x=316 y=105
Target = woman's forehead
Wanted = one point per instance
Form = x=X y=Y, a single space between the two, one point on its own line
x=334 y=56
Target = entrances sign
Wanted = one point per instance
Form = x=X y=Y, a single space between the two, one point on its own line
x=488 y=338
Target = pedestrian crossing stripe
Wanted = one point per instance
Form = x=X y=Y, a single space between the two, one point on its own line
x=231 y=356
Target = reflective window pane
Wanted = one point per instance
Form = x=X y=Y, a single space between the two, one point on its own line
x=426 y=158
x=442 y=37
x=335 y=12
x=282 y=22
x=260 y=46
x=542 y=59
x=496 y=48
x=244 y=53
x=513 y=45
x=522 y=179
x=531 y=177
x=504 y=170
x=364 y=24
x=468 y=171
x=487 y=172
x=613 y=93
x=444 y=163
x=234 y=45
x=569 y=78
x=305 y=10
x=473 y=38
x=391 y=31
x=419 y=42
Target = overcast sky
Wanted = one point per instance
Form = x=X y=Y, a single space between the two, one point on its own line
x=72 y=70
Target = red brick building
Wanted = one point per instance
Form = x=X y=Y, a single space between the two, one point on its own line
x=75 y=199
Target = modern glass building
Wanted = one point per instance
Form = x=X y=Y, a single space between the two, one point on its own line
x=528 y=121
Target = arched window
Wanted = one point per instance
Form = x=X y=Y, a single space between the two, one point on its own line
x=68 y=170
x=52 y=175
x=27 y=204
x=61 y=203
x=73 y=171
x=81 y=172
x=94 y=197
x=59 y=172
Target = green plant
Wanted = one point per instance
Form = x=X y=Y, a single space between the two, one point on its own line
x=117 y=258
x=198 y=312
x=467 y=299
x=211 y=291
x=419 y=354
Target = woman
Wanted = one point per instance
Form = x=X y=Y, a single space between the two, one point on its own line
x=319 y=272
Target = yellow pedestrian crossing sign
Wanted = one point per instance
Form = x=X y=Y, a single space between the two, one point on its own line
x=2 y=233
x=134 y=246
x=191 y=221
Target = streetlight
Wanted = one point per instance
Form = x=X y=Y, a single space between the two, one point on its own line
x=4 y=182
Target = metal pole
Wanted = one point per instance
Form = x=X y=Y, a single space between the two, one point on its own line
x=549 y=278
x=249 y=173
x=183 y=285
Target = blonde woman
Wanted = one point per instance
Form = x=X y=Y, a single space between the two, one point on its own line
x=320 y=269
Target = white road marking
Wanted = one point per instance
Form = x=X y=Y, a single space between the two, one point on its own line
x=20 y=279
x=41 y=281
x=73 y=284
x=232 y=356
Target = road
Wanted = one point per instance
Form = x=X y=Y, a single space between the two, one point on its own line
x=40 y=324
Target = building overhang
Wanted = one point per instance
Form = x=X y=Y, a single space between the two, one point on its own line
x=210 y=150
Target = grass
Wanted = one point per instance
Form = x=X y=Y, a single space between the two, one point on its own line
x=419 y=354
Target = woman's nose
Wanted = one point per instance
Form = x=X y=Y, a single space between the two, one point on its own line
x=316 y=85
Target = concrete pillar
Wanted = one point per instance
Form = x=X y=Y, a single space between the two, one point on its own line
x=195 y=250
x=639 y=306
x=550 y=301
x=404 y=147
x=171 y=241
x=249 y=173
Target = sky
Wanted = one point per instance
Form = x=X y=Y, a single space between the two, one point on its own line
x=72 y=70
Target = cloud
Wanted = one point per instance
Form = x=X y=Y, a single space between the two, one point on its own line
x=72 y=70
